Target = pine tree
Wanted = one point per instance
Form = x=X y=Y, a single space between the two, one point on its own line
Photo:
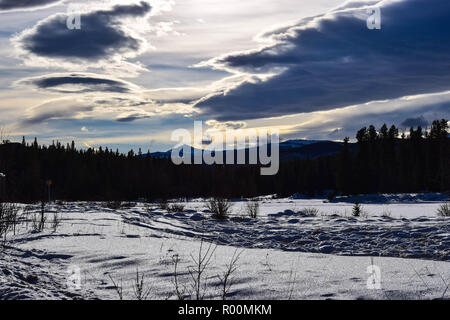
x=356 y=211
x=384 y=133
x=35 y=143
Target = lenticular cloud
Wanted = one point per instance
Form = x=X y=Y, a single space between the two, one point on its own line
x=102 y=36
x=334 y=60
x=15 y=5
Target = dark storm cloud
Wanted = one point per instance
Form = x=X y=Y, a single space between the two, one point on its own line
x=10 y=5
x=415 y=122
x=101 y=35
x=335 y=61
x=78 y=83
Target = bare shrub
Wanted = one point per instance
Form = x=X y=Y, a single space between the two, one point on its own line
x=13 y=217
x=423 y=279
x=219 y=207
x=252 y=209
x=56 y=221
x=128 y=205
x=386 y=214
x=163 y=204
x=39 y=220
x=119 y=289
x=292 y=282
x=180 y=292
x=149 y=207
x=226 y=278
x=42 y=217
x=8 y=219
x=365 y=214
x=201 y=262
x=444 y=210
x=114 y=205
x=140 y=289
x=196 y=286
x=4 y=136
x=37 y=223
x=174 y=208
x=311 y=212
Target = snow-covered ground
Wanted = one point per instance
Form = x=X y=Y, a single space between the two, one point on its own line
x=284 y=254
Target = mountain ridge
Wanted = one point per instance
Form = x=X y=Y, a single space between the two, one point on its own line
x=289 y=150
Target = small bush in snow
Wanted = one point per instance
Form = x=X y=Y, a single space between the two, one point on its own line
x=114 y=205
x=196 y=286
x=252 y=209
x=149 y=207
x=140 y=289
x=312 y=212
x=444 y=210
x=219 y=207
x=197 y=272
x=163 y=204
x=35 y=223
x=56 y=221
x=42 y=217
x=175 y=208
x=365 y=214
x=357 y=210
x=8 y=218
x=117 y=288
x=226 y=278
x=127 y=205
x=386 y=214
x=39 y=220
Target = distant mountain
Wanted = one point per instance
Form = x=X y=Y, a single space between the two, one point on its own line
x=297 y=143
x=289 y=150
x=168 y=154
x=312 y=150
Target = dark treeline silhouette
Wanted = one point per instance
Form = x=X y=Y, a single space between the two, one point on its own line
x=382 y=161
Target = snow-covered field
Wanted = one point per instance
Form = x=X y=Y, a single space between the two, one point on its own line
x=284 y=254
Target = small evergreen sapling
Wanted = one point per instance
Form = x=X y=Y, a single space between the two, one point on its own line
x=357 y=210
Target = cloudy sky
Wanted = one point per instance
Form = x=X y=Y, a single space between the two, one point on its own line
x=137 y=70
